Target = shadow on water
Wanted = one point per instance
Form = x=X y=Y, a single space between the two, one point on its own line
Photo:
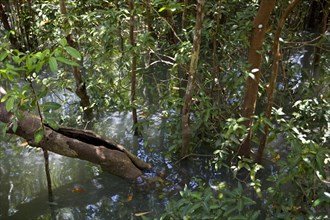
x=83 y=191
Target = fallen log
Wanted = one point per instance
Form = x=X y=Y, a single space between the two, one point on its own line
x=75 y=143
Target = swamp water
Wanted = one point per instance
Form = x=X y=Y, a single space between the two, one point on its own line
x=82 y=191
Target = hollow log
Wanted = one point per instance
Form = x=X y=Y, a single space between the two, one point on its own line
x=75 y=143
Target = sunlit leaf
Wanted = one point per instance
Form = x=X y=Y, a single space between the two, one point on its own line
x=39 y=55
x=161 y=9
x=53 y=64
x=39 y=66
x=63 y=42
x=3 y=55
x=39 y=135
x=10 y=104
x=142 y=213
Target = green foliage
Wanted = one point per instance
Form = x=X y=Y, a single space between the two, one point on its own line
x=38 y=68
x=307 y=136
x=207 y=204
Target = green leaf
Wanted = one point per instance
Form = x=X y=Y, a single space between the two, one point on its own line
x=229 y=211
x=63 y=42
x=38 y=135
x=29 y=63
x=3 y=55
x=240 y=205
x=241 y=119
x=50 y=106
x=10 y=104
x=161 y=9
x=39 y=55
x=66 y=61
x=52 y=123
x=39 y=66
x=255 y=215
x=53 y=64
x=73 y=52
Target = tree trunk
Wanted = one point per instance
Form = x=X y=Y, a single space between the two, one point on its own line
x=186 y=131
x=184 y=14
x=271 y=88
x=149 y=19
x=254 y=59
x=215 y=62
x=76 y=143
x=318 y=51
x=5 y=21
x=80 y=82
x=133 y=65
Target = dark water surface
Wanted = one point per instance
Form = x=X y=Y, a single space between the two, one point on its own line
x=82 y=190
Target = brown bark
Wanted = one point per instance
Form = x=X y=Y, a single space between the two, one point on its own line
x=186 y=130
x=318 y=51
x=215 y=62
x=149 y=19
x=254 y=59
x=184 y=14
x=133 y=65
x=5 y=21
x=81 y=90
x=271 y=88
x=76 y=143
x=63 y=7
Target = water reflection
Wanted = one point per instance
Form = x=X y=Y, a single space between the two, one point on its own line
x=82 y=190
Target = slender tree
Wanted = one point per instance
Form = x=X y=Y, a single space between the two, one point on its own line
x=215 y=61
x=133 y=64
x=81 y=90
x=186 y=130
x=254 y=59
x=271 y=88
x=323 y=28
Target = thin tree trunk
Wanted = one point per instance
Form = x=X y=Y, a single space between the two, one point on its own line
x=215 y=62
x=254 y=59
x=318 y=50
x=149 y=18
x=186 y=130
x=133 y=65
x=81 y=90
x=5 y=21
x=184 y=14
x=271 y=88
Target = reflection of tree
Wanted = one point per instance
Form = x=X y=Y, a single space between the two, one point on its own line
x=4 y=188
x=95 y=200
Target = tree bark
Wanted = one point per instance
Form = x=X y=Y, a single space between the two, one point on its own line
x=5 y=21
x=215 y=62
x=186 y=130
x=318 y=49
x=254 y=59
x=81 y=90
x=271 y=88
x=75 y=143
x=133 y=65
